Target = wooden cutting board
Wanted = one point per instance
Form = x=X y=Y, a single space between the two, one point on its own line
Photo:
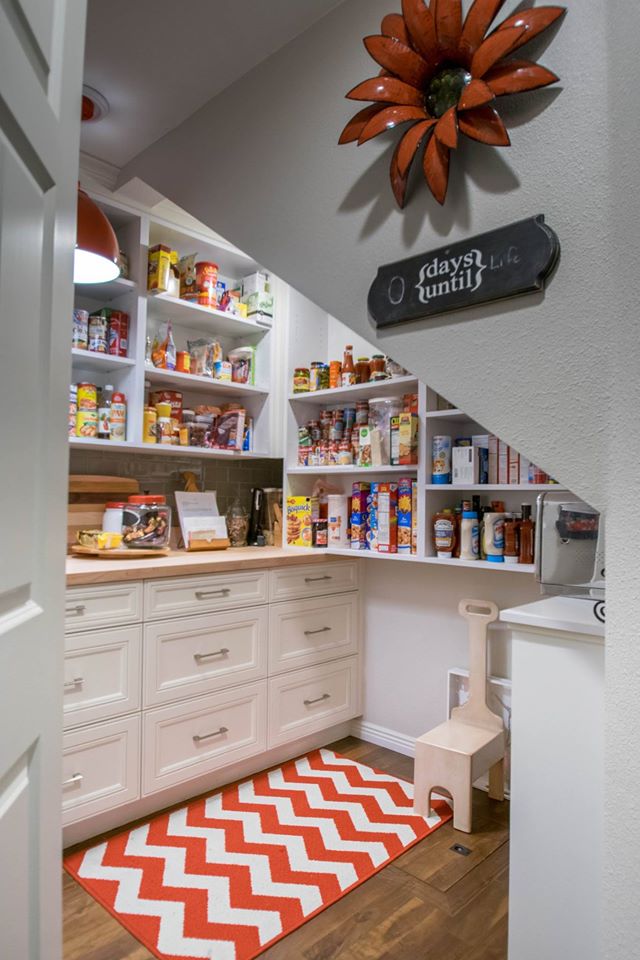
x=118 y=553
x=88 y=494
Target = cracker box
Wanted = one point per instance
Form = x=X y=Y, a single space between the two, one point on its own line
x=387 y=518
x=372 y=517
x=359 y=493
x=300 y=512
x=404 y=439
x=159 y=268
x=404 y=515
x=414 y=516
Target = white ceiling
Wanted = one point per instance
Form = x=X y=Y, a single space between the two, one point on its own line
x=158 y=61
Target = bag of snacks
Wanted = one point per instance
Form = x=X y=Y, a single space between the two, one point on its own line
x=205 y=353
x=163 y=352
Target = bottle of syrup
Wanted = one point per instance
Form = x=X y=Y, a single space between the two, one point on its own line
x=526 y=535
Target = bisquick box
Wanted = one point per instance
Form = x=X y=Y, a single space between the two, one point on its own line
x=300 y=512
x=359 y=517
x=404 y=514
x=387 y=518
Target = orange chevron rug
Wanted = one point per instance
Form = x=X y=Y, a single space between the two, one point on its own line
x=226 y=876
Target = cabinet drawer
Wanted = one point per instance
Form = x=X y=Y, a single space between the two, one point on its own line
x=101 y=768
x=304 y=632
x=193 y=595
x=188 y=739
x=183 y=658
x=313 y=580
x=310 y=700
x=101 y=674
x=102 y=606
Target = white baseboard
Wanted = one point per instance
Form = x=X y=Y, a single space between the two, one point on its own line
x=383 y=737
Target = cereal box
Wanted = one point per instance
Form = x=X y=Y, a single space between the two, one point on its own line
x=387 y=518
x=372 y=517
x=300 y=512
x=404 y=515
x=414 y=516
x=359 y=494
x=404 y=439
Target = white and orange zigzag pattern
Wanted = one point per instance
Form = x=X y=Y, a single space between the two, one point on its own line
x=225 y=876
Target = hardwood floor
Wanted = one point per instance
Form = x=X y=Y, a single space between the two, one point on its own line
x=429 y=903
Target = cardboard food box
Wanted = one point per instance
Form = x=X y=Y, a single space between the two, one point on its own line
x=404 y=439
x=359 y=494
x=404 y=514
x=300 y=512
x=387 y=518
x=372 y=517
x=159 y=268
x=414 y=516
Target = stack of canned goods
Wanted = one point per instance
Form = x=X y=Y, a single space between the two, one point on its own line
x=97 y=412
x=106 y=331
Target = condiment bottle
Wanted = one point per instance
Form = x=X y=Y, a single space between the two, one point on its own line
x=469 y=544
x=511 y=538
x=444 y=534
x=363 y=370
x=348 y=376
x=493 y=536
x=164 y=426
x=104 y=418
x=526 y=525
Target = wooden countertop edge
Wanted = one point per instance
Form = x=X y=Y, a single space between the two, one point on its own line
x=80 y=570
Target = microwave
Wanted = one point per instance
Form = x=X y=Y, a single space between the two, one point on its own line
x=569 y=547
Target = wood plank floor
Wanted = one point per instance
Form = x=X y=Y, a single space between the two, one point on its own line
x=429 y=904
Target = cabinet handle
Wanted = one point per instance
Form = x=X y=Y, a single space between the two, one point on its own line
x=223 y=651
x=207 y=736
x=73 y=683
x=325 y=696
x=74 y=778
x=310 y=633
x=314 y=579
x=205 y=594
x=78 y=609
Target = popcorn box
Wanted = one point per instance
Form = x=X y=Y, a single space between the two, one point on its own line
x=300 y=512
x=387 y=518
x=359 y=494
x=404 y=514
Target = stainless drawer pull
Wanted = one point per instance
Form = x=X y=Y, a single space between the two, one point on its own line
x=205 y=594
x=325 y=696
x=314 y=579
x=222 y=652
x=73 y=683
x=78 y=609
x=310 y=633
x=74 y=778
x=207 y=736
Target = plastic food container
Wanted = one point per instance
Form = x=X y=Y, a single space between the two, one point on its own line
x=146 y=522
x=381 y=409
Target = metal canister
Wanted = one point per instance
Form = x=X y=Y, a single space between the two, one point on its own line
x=98 y=336
x=87 y=423
x=149 y=419
x=87 y=396
x=80 y=334
x=441 y=460
x=118 y=333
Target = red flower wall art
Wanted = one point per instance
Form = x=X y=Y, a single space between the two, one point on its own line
x=442 y=75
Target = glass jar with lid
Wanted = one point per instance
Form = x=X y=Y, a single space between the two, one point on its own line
x=237 y=524
x=146 y=522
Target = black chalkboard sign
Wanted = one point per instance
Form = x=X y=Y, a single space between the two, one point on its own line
x=506 y=262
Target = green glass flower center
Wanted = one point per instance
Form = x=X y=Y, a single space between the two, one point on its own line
x=444 y=89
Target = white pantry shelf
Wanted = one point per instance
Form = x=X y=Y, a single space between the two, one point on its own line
x=187 y=381
x=355 y=471
x=201 y=318
x=99 y=361
x=104 y=292
x=483 y=565
x=166 y=449
x=359 y=391
x=457 y=416
x=494 y=487
x=348 y=552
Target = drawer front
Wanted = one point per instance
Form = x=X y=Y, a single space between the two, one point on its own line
x=313 y=580
x=304 y=632
x=194 y=595
x=101 y=674
x=309 y=700
x=101 y=768
x=183 y=658
x=105 y=605
x=188 y=739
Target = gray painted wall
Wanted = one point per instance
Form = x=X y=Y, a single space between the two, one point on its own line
x=554 y=374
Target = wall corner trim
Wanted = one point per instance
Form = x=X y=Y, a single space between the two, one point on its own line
x=383 y=737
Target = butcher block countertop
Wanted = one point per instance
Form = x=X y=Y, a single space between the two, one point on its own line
x=83 y=570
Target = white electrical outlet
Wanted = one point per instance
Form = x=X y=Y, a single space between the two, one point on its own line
x=498 y=700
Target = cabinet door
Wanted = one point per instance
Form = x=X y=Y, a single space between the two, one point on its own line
x=304 y=632
x=306 y=701
x=313 y=579
x=197 y=655
x=185 y=740
x=101 y=674
x=101 y=768
x=105 y=605
x=195 y=595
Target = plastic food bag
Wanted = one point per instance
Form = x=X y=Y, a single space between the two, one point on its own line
x=204 y=354
x=163 y=353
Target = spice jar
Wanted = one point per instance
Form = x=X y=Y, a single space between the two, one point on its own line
x=146 y=522
x=237 y=524
x=319 y=533
x=301 y=380
x=363 y=370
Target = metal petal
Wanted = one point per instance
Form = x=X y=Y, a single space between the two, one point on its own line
x=410 y=142
x=476 y=94
x=399 y=59
x=516 y=76
x=497 y=45
x=533 y=21
x=447 y=15
x=398 y=180
x=388 y=118
x=356 y=125
x=447 y=129
x=478 y=20
x=436 y=168
x=387 y=90
x=422 y=30
x=485 y=125
x=393 y=25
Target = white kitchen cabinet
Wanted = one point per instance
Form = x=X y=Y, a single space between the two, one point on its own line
x=177 y=596
x=101 y=674
x=103 y=605
x=305 y=632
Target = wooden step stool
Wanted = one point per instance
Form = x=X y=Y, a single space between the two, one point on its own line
x=452 y=756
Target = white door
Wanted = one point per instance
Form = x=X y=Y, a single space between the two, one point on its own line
x=41 y=51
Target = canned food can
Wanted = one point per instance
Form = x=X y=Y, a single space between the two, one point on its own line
x=87 y=396
x=183 y=361
x=118 y=331
x=335 y=371
x=87 y=423
x=72 y=420
x=80 y=334
x=118 y=417
x=441 y=460
x=149 y=420
x=98 y=341
x=206 y=280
